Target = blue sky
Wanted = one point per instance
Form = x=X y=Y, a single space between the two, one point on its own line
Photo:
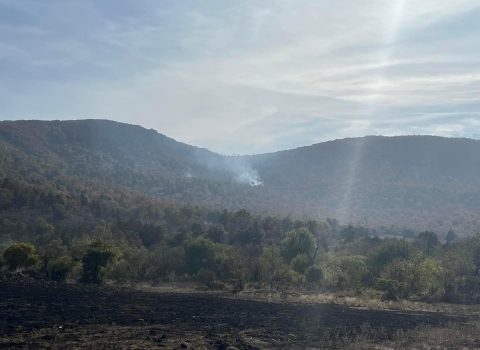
x=246 y=76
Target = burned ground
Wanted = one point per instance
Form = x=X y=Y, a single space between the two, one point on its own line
x=46 y=316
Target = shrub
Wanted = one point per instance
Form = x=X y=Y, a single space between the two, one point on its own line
x=300 y=263
x=164 y=260
x=314 y=274
x=289 y=276
x=99 y=258
x=60 y=268
x=206 y=277
x=198 y=252
x=297 y=242
x=21 y=255
x=393 y=289
x=121 y=273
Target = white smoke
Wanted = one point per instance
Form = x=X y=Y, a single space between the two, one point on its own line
x=250 y=176
x=234 y=168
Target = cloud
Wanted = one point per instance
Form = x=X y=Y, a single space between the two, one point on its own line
x=243 y=77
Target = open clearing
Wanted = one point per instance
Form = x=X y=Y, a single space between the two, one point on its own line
x=40 y=316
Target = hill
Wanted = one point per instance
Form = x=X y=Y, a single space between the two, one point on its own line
x=417 y=182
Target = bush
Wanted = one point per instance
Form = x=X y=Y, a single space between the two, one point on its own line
x=266 y=266
x=300 y=263
x=99 y=258
x=314 y=274
x=297 y=242
x=21 y=255
x=60 y=268
x=352 y=270
x=386 y=252
x=217 y=233
x=393 y=289
x=414 y=276
x=289 y=276
x=165 y=260
x=206 y=277
x=121 y=273
x=198 y=252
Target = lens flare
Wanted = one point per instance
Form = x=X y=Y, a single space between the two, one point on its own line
x=350 y=183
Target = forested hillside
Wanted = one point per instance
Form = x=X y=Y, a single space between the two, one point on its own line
x=422 y=182
x=90 y=234
x=415 y=182
x=89 y=201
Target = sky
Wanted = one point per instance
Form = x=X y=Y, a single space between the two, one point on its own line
x=246 y=77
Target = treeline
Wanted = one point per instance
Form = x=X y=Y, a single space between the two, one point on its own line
x=90 y=236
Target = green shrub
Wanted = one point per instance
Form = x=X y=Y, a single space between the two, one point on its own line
x=289 y=276
x=21 y=255
x=99 y=258
x=121 y=273
x=314 y=274
x=198 y=253
x=298 y=242
x=300 y=263
x=60 y=268
x=393 y=289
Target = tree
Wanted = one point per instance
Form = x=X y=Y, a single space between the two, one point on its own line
x=287 y=224
x=21 y=255
x=314 y=274
x=217 y=233
x=59 y=268
x=268 y=264
x=197 y=229
x=451 y=236
x=133 y=266
x=408 y=233
x=44 y=231
x=300 y=263
x=416 y=275
x=229 y=263
x=251 y=235
x=427 y=241
x=198 y=253
x=386 y=252
x=298 y=242
x=347 y=271
x=473 y=248
x=98 y=259
x=53 y=250
x=150 y=234
x=333 y=223
x=350 y=233
x=457 y=263
x=164 y=260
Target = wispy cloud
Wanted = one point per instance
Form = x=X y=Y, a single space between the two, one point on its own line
x=244 y=77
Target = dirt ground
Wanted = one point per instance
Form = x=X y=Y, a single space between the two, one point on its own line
x=41 y=316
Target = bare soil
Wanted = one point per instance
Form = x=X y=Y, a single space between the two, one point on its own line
x=45 y=316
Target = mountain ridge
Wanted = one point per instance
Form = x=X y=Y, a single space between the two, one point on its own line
x=422 y=182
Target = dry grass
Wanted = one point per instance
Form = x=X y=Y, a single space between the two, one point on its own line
x=367 y=301
x=370 y=300
x=452 y=336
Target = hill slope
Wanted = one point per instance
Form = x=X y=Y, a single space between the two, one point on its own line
x=418 y=182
